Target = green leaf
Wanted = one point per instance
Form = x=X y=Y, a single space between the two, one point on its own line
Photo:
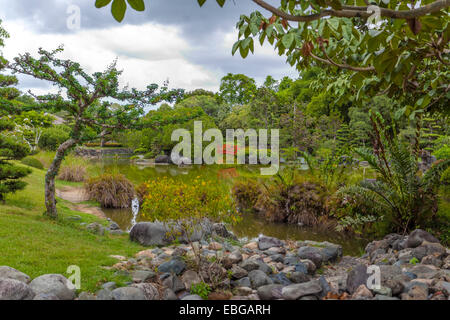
x=221 y=2
x=102 y=3
x=287 y=40
x=118 y=9
x=201 y=2
x=137 y=5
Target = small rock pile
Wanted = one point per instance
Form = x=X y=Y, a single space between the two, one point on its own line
x=414 y=267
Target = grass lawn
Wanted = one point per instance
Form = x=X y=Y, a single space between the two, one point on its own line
x=37 y=245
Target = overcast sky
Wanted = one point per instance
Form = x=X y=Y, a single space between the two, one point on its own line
x=172 y=39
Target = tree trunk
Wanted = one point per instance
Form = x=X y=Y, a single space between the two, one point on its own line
x=50 y=201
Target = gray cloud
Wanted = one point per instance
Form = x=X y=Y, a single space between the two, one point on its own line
x=203 y=28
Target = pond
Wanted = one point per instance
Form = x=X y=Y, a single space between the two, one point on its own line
x=251 y=225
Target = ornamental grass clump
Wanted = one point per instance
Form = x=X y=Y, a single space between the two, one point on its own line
x=73 y=173
x=111 y=190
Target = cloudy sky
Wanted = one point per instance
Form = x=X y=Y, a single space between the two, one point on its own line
x=173 y=39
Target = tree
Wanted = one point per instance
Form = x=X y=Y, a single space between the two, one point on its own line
x=237 y=89
x=29 y=126
x=87 y=101
x=394 y=48
x=10 y=146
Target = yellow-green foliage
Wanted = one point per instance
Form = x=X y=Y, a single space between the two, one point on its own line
x=170 y=199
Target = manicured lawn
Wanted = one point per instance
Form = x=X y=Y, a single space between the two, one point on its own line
x=37 y=245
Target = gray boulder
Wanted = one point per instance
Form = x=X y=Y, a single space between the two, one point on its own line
x=270 y=292
x=296 y=291
x=45 y=297
x=11 y=273
x=149 y=290
x=96 y=228
x=258 y=279
x=162 y=159
x=11 y=289
x=416 y=238
x=157 y=233
x=192 y=297
x=54 y=284
x=128 y=293
x=265 y=243
x=356 y=277
x=311 y=253
x=175 y=266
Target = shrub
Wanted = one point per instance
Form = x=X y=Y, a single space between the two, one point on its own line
x=106 y=145
x=149 y=155
x=246 y=193
x=32 y=162
x=296 y=202
x=442 y=153
x=72 y=173
x=140 y=151
x=171 y=200
x=111 y=190
x=52 y=137
x=400 y=196
x=201 y=289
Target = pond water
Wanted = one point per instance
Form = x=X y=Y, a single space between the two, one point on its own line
x=251 y=225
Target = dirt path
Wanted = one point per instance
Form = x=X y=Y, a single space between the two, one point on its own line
x=75 y=196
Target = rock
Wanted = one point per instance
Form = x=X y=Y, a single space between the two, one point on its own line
x=300 y=267
x=128 y=293
x=149 y=290
x=175 y=266
x=114 y=226
x=54 y=284
x=362 y=293
x=44 y=296
x=243 y=291
x=243 y=282
x=192 y=297
x=277 y=258
x=296 y=291
x=150 y=234
x=96 y=228
x=117 y=232
x=356 y=277
x=392 y=277
x=105 y=294
x=291 y=260
x=270 y=292
x=109 y=285
x=265 y=243
x=11 y=273
x=215 y=246
x=281 y=278
x=12 y=289
x=258 y=278
x=384 y=291
x=157 y=233
x=237 y=272
x=231 y=259
x=163 y=159
x=432 y=260
x=383 y=297
x=442 y=286
x=189 y=278
x=169 y=295
x=251 y=246
x=142 y=276
x=86 y=296
x=298 y=277
x=424 y=271
x=416 y=238
x=250 y=264
x=219 y=229
x=311 y=253
x=174 y=283
x=416 y=291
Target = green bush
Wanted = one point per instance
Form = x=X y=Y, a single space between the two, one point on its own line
x=442 y=153
x=140 y=151
x=445 y=178
x=52 y=137
x=32 y=162
x=149 y=155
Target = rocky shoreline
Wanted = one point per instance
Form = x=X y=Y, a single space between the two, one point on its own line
x=413 y=267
